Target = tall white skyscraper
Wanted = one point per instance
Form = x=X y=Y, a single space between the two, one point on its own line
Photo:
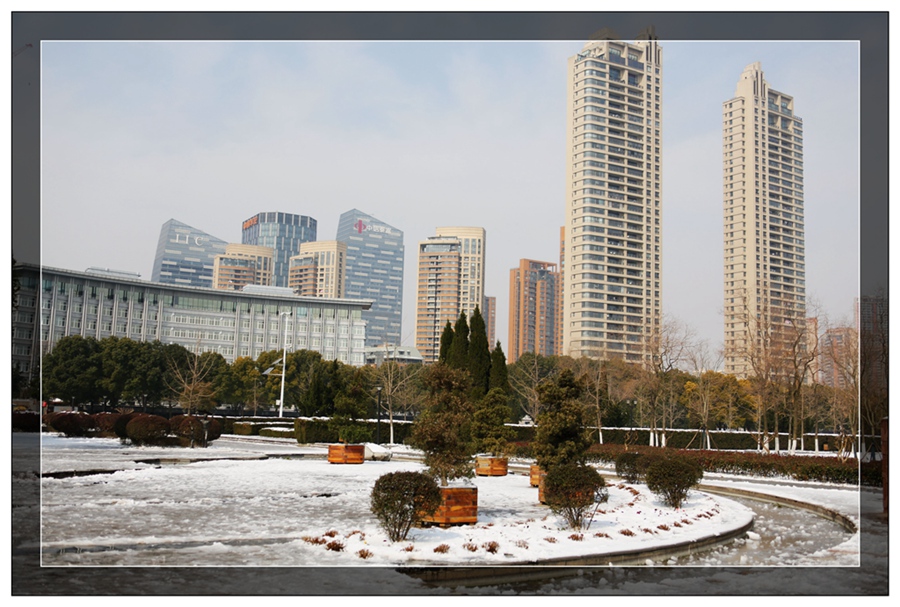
x=765 y=288
x=612 y=296
x=473 y=242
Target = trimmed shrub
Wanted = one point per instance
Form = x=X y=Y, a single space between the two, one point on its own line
x=121 y=424
x=191 y=428
x=146 y=429
x=277 y=432
x=572 y=489
x=631 y=466
x=73 y=423
x=106 y=423
x=672 y=477
x=401 y=499
x=26 y=421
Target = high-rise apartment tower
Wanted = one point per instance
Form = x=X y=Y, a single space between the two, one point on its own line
x=613 y=234
x=472 y=255
x=437 y=292
x=533 y=301
x=764 y=256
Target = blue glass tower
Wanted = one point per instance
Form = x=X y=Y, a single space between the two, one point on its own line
x=185 y=255
x=374 y=271
x=284 y=232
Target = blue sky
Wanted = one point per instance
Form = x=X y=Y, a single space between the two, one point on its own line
x=420 y=135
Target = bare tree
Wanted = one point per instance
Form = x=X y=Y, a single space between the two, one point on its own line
x=703 y=363
x=395 y=380
x=190 y=381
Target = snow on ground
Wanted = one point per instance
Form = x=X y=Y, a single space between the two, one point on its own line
x=285 y=512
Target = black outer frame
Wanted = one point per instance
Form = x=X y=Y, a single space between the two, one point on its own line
x=869 y=28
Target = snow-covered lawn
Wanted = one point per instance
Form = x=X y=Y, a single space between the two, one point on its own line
x=286 y=512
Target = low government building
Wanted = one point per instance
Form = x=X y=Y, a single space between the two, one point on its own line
x=52 y=303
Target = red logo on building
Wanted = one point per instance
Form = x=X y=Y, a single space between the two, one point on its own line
x=360 y=226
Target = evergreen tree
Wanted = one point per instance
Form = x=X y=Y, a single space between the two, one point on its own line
x=561 y=436
x=499 y=373
x=459 y=348
x=479 y=363
x=446 y=342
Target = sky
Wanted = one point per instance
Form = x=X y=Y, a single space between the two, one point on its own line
x=419 y=135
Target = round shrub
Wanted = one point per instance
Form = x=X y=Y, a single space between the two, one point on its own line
x=402 y=499
x=106 y=423
x=73 y=423
x=572 y=489
x=191 y=428
x=146 y=429
x=672 y=477
x=631 y=466
x=121 y=424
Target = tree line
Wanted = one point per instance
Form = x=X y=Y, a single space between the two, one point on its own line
x=115 y=372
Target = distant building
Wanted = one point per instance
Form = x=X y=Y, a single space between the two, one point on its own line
x=473 y=245
x=283 y=232
x=836 y=346
x=437 y=293
x=318 y=271
x=533 y=303
x=490 y=320
x=374 y=270
x=242 y=265
x=55 y=303
x=404 y=355
x=185 y=255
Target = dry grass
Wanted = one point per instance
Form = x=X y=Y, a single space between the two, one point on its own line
x=313 y=540
x=576 y=537
x=663 y=527
x=409 y=548
x=550 y=539
x=442 y=549
x=335 y=545
x=470 y=546
x=331 y=533
x=364 y=554
x=601 y=534
x=522 y=544
x=491 y=547
x=627 y=532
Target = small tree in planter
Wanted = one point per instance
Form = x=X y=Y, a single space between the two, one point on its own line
x=401 y=499
x=349 y=406
x=443 y=432
x=562 y=437
x=491 y=435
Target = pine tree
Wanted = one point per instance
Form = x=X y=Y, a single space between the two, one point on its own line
x=499 y=373
x=459 y=348
x=446 y=342
x=479 y=363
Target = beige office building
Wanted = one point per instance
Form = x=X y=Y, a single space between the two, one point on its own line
x=764 y=256
x=437 y=293
x=318 y=270
x=612 y=293
x=242 y=265
x=472 y=256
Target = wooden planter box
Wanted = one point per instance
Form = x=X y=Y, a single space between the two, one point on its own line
x=536 y=475
x=491 y=466
x=346 y=454
x=459 y=506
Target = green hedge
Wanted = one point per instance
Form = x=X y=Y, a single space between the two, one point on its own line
x=823 y=469
x=278 y=432
x=317 y=430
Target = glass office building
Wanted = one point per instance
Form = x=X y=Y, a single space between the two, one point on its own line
x=374 y=272
x=185 y=255
x=284 y=232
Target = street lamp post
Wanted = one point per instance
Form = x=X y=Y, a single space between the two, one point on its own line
x=283 y=363
x=378 y=424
